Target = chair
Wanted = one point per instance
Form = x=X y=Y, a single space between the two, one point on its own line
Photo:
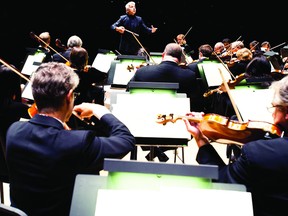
x=6 y=210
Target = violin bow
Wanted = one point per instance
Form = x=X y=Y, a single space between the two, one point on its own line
x=13 y=69
x=231 y=98
x=277 y=46
x=38 y=38
x=187 y=32
x=143 y=48
x=225 y=66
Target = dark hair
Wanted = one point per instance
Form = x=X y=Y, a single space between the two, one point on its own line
x=258 y=67
x=206 y=50
x=78 y=58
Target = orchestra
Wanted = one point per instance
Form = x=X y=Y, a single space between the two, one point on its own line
x=222 y=121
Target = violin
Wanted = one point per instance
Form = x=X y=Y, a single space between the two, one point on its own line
x=32 y=111
x=222 y=87
x=222 y=129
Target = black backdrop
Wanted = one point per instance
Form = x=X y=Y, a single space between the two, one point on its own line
x=211 y=21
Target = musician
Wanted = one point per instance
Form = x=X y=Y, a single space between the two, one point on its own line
x=205 y=52
x=238 y=65
x=44 y=44
x=227 y=43
x=130 y=22
x=262 y=166
x=254 y=46
x=221 y=51
x=11 y=107
x=73 y=41
x=187 y=49
x=43 y=158
x=265 y=46
x=90 y=77
x=169 y=70
x=235 y=46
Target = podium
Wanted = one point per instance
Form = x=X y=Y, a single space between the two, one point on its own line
x=139 y=188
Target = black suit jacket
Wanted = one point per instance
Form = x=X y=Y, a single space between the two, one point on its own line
x=262 y=167
x=128 y=44
x=44 y=159
x=168 y=71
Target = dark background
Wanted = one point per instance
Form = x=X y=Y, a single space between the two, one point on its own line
x=211 y=21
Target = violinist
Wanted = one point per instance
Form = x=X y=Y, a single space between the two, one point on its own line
x=205 y=51
x=73 y=41
x=221 y=51
x=11 y=107
x=238 y=65
x=44 y=40
x=187 y=49
x=169 y=70
x=91 y=86
x=254 y=47
x=48 y=156
x=265 y=46
x=262 y=166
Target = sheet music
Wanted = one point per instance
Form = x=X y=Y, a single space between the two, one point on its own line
x=32 y=63
x=27 y=92
x=122 y=74
x=102 y=62
x=139 y=112
x=252 y=104
x=212 y=74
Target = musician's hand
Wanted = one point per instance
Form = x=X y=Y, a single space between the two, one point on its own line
x=193 y=128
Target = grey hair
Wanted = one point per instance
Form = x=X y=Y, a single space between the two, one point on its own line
x=128 y=4
x=280 y=90
x=74 y=41
x=51 y=82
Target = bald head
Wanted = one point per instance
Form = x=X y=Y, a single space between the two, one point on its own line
x=174 y=50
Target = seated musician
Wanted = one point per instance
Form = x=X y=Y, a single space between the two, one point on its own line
x=238 y=65
x=262 y=165
x=44 y=157
x=63 y=56
x=11 y=107
x=89 y=77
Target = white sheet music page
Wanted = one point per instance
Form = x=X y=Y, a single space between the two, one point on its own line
x=213 y=75
x=32 y=63
x=102 y=62
x=123 y=73
x=252 y=104
x=139 y=112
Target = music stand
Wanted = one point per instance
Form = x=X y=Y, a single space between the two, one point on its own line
x=123 y=69
x=156 y=97
x=131 y=184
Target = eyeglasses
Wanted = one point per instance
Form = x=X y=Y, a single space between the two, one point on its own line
x=274 y=107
